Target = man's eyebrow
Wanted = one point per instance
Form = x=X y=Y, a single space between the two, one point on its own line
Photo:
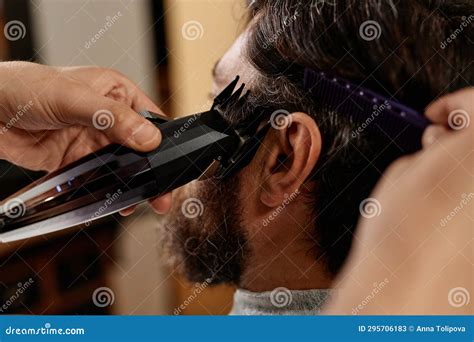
x=214 y=69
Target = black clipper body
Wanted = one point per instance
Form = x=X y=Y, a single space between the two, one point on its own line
x=117 y=177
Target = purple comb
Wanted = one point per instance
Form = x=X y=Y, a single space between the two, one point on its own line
x=373 y=112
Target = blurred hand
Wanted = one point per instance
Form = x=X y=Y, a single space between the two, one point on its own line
x=51 y=116
x=450 y=114
x=411 y=246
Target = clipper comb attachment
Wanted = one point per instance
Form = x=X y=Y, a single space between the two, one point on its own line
x=229 y=98
x=248 y=130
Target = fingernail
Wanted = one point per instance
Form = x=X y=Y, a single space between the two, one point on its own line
x=432 y=134
x=146 y=133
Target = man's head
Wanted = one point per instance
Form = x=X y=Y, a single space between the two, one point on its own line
x=288 y=218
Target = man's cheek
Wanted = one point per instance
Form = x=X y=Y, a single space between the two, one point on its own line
x=249 y=192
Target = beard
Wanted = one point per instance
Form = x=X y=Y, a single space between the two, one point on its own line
x=203 y=236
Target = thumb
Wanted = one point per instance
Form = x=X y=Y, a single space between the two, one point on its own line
x=124 y=126
x=452 y=108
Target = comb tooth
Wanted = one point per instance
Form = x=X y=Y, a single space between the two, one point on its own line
x=243 y=98
x=234 y=99
x=226 y=93
x=309 y=78
x=236 y=96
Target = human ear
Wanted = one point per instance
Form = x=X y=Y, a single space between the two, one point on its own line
x=291 y=153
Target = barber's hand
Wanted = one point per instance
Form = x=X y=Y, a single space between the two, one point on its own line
x=452 y=122
x=51 y=116
x=450 y=114
x=414 y=250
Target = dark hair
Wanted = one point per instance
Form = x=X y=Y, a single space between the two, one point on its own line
x=406 y=60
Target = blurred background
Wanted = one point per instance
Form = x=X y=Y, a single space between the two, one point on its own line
x=169 y=49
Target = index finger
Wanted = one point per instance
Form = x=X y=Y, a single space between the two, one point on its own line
x=108 y=81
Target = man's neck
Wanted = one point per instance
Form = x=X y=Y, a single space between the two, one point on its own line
x=293 y=267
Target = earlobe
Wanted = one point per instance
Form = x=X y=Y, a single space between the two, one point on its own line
x=290 y=159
